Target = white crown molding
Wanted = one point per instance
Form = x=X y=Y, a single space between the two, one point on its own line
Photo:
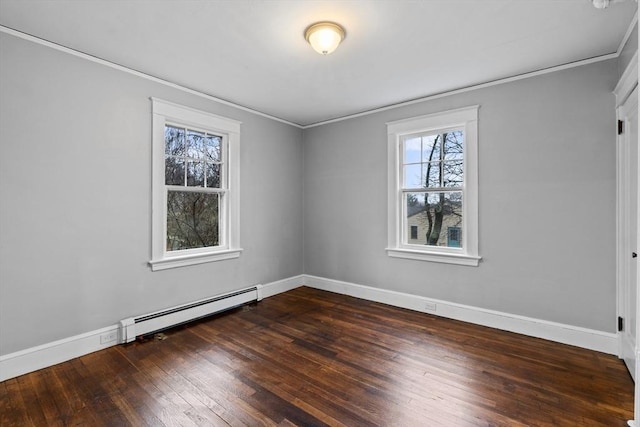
x=628 y=81
x=468 y=89
x=136 y=73
x=624 y=40
x=119 y=67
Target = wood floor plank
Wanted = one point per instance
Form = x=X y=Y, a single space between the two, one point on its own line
x=308 y=357
x=11 y=405
x=77 y=409
x=101 y=409
x=214 y=386
x=44 y=397
x=174 y=402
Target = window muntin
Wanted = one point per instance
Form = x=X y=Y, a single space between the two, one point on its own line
x=195 y=181
x=433 y=197
x=193 y=158
x=195 y=216
x=432 y=184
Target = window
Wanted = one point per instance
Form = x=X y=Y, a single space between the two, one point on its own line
x=414 y=232
x=433 y=187
x=195 y=170
x=453 y=237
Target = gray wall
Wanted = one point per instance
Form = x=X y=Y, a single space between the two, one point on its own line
x=547 y=201
x=75 y=184
x=75 y=200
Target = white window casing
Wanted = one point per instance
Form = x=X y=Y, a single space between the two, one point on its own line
x=168 y=113
x=465 y=119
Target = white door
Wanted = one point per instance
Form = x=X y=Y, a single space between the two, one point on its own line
x=628 y=231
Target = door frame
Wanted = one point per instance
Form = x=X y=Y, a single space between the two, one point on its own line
x=628 y=82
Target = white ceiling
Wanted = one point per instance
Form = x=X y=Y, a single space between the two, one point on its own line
x=253 y=52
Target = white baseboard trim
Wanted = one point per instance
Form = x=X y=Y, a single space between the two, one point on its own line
x=628 y=352
x=45 y=355
x=573 y=335
x=42 y=356
x=280 y=286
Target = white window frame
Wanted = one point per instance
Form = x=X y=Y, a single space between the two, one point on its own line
x=463 y=118
x=165 y=112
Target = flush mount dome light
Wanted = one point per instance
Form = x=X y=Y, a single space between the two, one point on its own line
x=603 y=4
x=324 y=37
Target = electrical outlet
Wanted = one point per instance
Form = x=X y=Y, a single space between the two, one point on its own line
x=430 y=306
x=108 y=337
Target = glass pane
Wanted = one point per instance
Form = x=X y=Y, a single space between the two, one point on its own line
x=213 y=175
x=212 y=148
x=431 y=147
x=435 y=215
x=195 y=174
x=412 y=176
x=412 y=150
x=454 y=145
x=192 y=220
x=453 y=173
x=416 y=212
x=173 y=141
x=173 y=171
x=195 y=144
x=432 y=172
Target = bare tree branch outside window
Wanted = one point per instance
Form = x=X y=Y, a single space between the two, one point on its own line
x=193 y=160
x=433 y=177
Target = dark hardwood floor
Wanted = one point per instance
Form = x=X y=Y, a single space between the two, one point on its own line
x=312 y=358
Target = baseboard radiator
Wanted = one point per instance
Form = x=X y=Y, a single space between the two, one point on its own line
x=157 y=321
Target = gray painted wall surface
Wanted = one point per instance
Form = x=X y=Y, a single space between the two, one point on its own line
x=547 y=201
x=75 y=185
x=629 y=49
x=75 y=200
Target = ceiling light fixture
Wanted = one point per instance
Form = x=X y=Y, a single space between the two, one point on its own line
x=603 y=4
x=324 y=37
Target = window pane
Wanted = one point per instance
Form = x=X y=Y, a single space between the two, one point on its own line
x=212 y=147
x=173 y=171
x=412 y=176
x=454 y=237
x=213 y=175
x=431 y=147
x=173 y=141
x=412 y=150
x=453 y=173
x=195 y=174
x=195 y=144
x=454 y=145
x=432 y=172
x=434 y=214
x=414 y=232
x=192 y=220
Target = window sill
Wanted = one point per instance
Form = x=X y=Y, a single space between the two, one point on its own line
x=193 y=259
x=446 y=258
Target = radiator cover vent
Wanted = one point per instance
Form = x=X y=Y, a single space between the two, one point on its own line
x=133 y=327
